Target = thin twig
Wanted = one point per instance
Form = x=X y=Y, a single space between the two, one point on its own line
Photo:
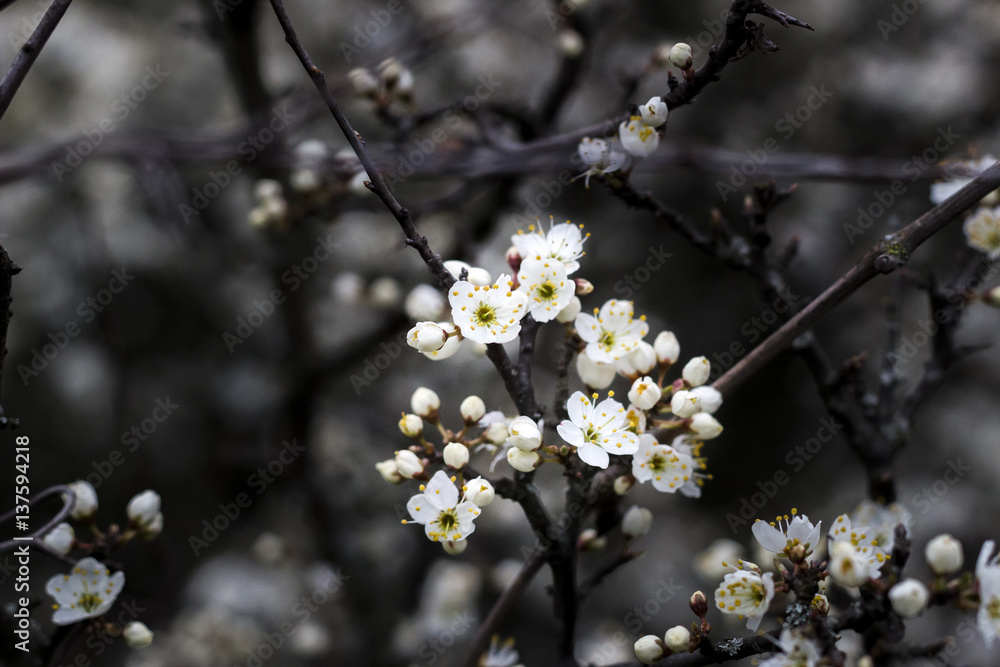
x=29 y=53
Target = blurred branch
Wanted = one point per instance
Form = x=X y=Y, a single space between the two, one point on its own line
x=68 y=502
x=29 y=53
x=8 y=269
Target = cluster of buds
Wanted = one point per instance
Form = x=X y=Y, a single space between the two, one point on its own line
x=390 y=82
x=271 y=209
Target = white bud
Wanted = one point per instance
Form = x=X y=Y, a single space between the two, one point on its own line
x=496 y=433
x=424 y=303
x=569 y=313
x=592 y=151
x=678 y=639
x=570 y=43
x=408 y=464
x=385 y=292
x=266 y=188
x=85 y=503
x=411 y=425
x=347 y=287
x=479 y=491
x=451 y=345
x=642 y=358
x=637 y=138
x=649 y=649
x=644 y=393
x=624 y=484
x=357 y=184
x=681 y=56
x=304 y=180
x=847 y=566
x=456 y=454
x=709 y=398
x=944 y=554
x=390 y=70
x=524 y=434
x=909 y=597
x=654 y=112
x=697 y=371
x=589 y=541
x=144 y=507
x=593 y=374
x=455 y=548
x=154 y=528
x=137 y=635
x=425 y=402
x=705 y=426
x=60 y=539
x=666 y=347
x=992 y=297
x=472 y=409
x=521 y=460
x=427 y=337
x=636 y=522
x=685 y=404
x=364 y=82
x=389 y=471
x=404 y=84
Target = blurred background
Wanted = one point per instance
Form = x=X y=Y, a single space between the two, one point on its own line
x=176 y=312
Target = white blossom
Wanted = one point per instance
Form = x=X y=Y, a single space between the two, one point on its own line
x=549 y=290
x=797 y=532
x=982 y=231
x=490 y=314
x=611 y=332
x=666 y=347
x=522 y=460
x=944 y=554
x=697 y=371
x=988 y=574
x=451 y=345
x=524 y=434
x=60 y=539
x=425 y=402
x=408 y=464
x=569 y=313
x=798 y=651
x=601 y=157
x=87 y=591
x=563 y=243
x=85 y=500
x=882 y=521
x=705 y=426
x=144 y=510
x=654 y=112
x=389 y=471
x=474 y=274
x=456 y=454
x=472 y=409
x=427 y=337
x=637 y=138
x=439 y=510
x=479 y=491
x=137 y=635
x=667 y=468
x=597 y=430
x=411 y=425
x=909 y=598
x=595 y=375
x=971 y=169
x=644 y=393
x=747 y=594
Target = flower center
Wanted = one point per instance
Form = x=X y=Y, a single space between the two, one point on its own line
x=90 y=601
x=546 y=291
x=448 y=521
x=993 y=608
x=485 y=314
x=607 y=340
x=657 y=463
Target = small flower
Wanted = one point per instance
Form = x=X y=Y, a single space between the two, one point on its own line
x=439 y=510
x=137 y=635
x=489 y=314
x=600 y=157
x=500 y=654
x=944 y=554
x=474 y=274
x=613 y=333
x=685 y=404
x=866 y=549
x=745 y=593
x=849 y=566
x=644 y=393
x=697 y=371
x=408 y=464
x=60 y=539
x=472 y=409
x=909 y=598
x=451 y=345
x=389 y=471
x=709 y=398
x=638 y=138
x=524 y=434
x=678 y=639
x=85 y=500
x=363 y=81
x=799 y=651
x=87 y=591
x=654 y=112
x=988 y=574
x=882 y=521
x=479 y=491
x=522 y=460
x=425 y=403
x=412 y=426
x=667 y=468
x=969 y=170
x=643 y=358
x=667 y=348
x=649 y=649
x=144 y=513
x=427 y=337
x=636 y=522
x=456 y=454
x=798 y=538
x=681 y=55
x=595 y=375
x=563 y=243
x=982 y=231
x=705 y=426
x=597 y=430
x=549 y=290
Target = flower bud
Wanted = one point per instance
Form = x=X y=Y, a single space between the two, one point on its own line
x=513 y=259
x=595 y=375
x=411 y=425
x=697 y=371
x=654 y=112
x=678 y=639
x=496 y=433
x=624 y=484
x=451 y=345
x=649 y=649
x=472 y=409
x=583 y=286
x=666 y=347
x=590 y=541
x=636 y=522
x=698 y=604
x=137 y=635
x=408 y=464
x=684 y=404
x=642 y=358
x=389 y=471
x=992 y=297
x=524 y=434
x=569 y=313
x=681 y=55
x=709 y=398
x=479 y=491
x=85 y=501
x=909 y=597
x=944 y=554
x=570 y=43
x=455 y=548
x=820 y=604
x=60 y=539
x=705 y=426
x=644 y=393
x=390 y=71
x=456 y=454
x=427 y=337
x=425 y=403
x=364 y=82
x=144 y=507
x=521 y=460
